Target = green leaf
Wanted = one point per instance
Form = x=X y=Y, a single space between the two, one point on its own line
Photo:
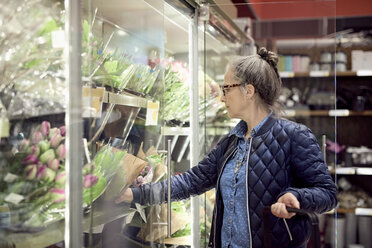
x=111 y=66
x=48 y=28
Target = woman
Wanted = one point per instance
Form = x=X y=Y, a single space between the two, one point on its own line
x=263 y=161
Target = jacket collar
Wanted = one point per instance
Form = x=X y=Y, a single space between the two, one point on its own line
x=241 y=128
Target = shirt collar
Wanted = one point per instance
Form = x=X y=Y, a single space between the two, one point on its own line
x=241 y=128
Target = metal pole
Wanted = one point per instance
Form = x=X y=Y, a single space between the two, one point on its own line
x=74 y=146
x=169 y=200
x=194 y=123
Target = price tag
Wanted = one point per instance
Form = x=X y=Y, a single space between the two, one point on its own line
x=290 y=112
x=286 y=74
x=363 y=73
x=152 y=113
x=10 y=177
x=92 y=101
x=319 y=73
x=345 y=171
x=14 y=198
x=339 y=112
x=363 y=211
x=4 y=127
x=58 y=39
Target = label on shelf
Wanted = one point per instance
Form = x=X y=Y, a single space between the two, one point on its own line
x=364 y=171
x=289 y=112
x=92 y=101
x=58 y=39
x=4 y=127
x=9 y=178
x=14 y=198
x=339 y=112
x=152 y=113
x=286 y=74
x=363 y=211
x=361 y=73
x=319 y=73
x=345 y=170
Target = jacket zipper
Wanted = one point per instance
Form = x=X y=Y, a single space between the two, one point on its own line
x=246 y=188
x=218 y=183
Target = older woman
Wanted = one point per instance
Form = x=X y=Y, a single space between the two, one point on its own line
x=264 y=161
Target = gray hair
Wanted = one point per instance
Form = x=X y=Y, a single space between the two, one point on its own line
x=261 y=71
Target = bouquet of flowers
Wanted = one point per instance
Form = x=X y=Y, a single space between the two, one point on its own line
x=33 y=185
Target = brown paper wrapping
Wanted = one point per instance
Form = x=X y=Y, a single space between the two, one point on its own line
x=152 y=231
x=129 y=169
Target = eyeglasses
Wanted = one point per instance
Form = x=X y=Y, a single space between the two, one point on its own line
x=225 y=88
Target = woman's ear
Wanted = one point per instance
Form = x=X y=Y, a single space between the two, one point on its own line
x=250 y=90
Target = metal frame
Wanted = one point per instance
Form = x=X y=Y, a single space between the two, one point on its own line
x=74 y=145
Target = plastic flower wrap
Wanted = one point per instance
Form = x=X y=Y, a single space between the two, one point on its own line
x=34 y=182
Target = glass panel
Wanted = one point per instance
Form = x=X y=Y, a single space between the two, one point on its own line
x=123 y=46
x=304 y=38
x=32 y=123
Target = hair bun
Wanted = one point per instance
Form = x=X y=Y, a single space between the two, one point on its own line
x=269 y=56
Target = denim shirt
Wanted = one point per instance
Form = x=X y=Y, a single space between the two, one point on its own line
x=235 y=228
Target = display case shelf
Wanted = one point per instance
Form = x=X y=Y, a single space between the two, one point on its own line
x=331 y=113
x=351 y=170
x=124 y=99
x=360 y=73
x=356 y=211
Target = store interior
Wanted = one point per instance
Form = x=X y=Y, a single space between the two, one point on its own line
x=146 y=105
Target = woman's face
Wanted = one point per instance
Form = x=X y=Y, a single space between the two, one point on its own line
x=232 y=96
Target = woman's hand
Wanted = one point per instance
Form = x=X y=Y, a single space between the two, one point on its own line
x=125 y=196
x=279 y=208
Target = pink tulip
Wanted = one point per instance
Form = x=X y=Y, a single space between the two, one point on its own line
x=30 y=171
x=44 y=128
x=44 y=145
x=34 y=150
x=37 y=137
x=58 y=195
x=53 y=164
x=41 y=172
x=61 y=152
x=88 y=168
x=49 y=175
x=47 y=156
x=63 y=131
x=55 y=140
x=61 y=178
x=90 y=180
x=53 y=131
x=30 y=159
x=23 y=145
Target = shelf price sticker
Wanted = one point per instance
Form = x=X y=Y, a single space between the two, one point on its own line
x=364 y=73
x=319 y=73
x=152 y=113
x=363 y=211
x=290 y=112
x=286 y=74
x=339 y=112
x=92 y=102
x=4 y=127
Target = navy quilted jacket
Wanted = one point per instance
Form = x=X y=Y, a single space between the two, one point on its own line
x=284 y=157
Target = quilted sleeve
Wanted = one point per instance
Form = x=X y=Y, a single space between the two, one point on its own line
x=318 y=192
x=195 y=181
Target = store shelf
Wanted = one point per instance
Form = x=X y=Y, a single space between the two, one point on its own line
x=351 y=171
x=291 y=74
x=356 y=211
x=123 y=99
x=332 y=113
